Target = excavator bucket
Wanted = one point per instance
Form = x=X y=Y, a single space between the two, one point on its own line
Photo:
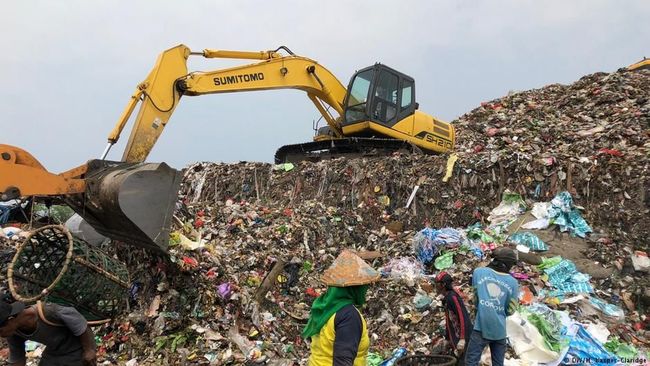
x=131 y=202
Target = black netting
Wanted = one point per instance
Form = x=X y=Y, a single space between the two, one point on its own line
x=54 y=267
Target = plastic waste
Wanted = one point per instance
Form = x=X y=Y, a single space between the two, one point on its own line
x=564 y=276
x=444 y=261
x=640 y=261
x=421 y=301
x=541 y=210
x=81 y=229
x=511 y=206
x=539 y=224
x=611 y=312
x=225 y=290
x=397 y=354
x=245 y=346
x=374 y=359
x=404 y=269
x=564 y=214
x=423 y=245
x=621 y=349
x=31 y=346
x=12 y=232
x=597 y=330
x=285 y=167
x=530 y=240
x=527 y=341
x=584 y=347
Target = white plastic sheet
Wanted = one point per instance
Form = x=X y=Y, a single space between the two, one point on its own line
x=527 y=342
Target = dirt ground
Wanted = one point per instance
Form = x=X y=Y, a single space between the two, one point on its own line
x=564 y=245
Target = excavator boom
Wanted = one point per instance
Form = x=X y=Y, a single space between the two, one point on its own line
x=169 y=80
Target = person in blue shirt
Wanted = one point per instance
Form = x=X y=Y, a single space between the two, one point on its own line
x=496 y=296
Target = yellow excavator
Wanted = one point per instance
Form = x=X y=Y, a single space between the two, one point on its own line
x=641 y=65
x=133 y=201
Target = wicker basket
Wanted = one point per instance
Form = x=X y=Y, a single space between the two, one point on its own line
x=50 y=265
x=422 y=360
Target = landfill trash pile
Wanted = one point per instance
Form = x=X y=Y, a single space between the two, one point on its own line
x=592 y=137
x=201 y=307
x=250 y=240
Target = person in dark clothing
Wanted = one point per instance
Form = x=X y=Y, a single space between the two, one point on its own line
x=458 y=323
x=71 y=343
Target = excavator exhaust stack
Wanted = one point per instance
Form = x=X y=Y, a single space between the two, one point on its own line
x=131 y=202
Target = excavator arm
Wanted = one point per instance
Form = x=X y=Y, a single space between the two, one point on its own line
x=22 y=175
x=169 y=80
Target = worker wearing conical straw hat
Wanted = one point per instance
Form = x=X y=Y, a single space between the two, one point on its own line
x=337 y=329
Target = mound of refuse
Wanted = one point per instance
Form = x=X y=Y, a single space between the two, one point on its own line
x=558 y=173
x=252 y=239
x=591 y=138
x=599 y=114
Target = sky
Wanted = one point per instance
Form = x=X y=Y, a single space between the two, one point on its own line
x=69 y=67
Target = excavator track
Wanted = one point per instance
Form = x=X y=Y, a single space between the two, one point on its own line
x=345 y=147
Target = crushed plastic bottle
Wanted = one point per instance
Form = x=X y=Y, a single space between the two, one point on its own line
x=397 y=354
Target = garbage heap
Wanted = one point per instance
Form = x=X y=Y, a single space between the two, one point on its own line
x=559 y=173
x=591 y=137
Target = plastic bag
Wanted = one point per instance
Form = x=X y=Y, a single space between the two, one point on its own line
x=444 y=261
x=549 y=325
x=404 y=269
x=527 y=341
x=621 y=349
x=423 y=245
x=511 y=206
x=610 y=311
x=421 y=301
x=530 y=240
x=564 y=214
x=584 y=347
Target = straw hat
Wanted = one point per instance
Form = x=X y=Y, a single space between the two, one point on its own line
x=349 y=269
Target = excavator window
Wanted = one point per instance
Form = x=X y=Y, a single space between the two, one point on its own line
x=407 y=94
x=385 y=99
x=358 y=95
x=407 y=99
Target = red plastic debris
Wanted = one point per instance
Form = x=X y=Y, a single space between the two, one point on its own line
x=198 y=223
x=612 y=152
x=526 y=296
x=190 y=261
x=311 y=292
x=212 y=273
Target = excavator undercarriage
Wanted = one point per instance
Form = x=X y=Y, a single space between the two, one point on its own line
x=346 y=147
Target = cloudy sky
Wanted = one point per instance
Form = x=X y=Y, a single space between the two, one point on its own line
x=69 y=67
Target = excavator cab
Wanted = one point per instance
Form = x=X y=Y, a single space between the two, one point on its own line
x=378 y=94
